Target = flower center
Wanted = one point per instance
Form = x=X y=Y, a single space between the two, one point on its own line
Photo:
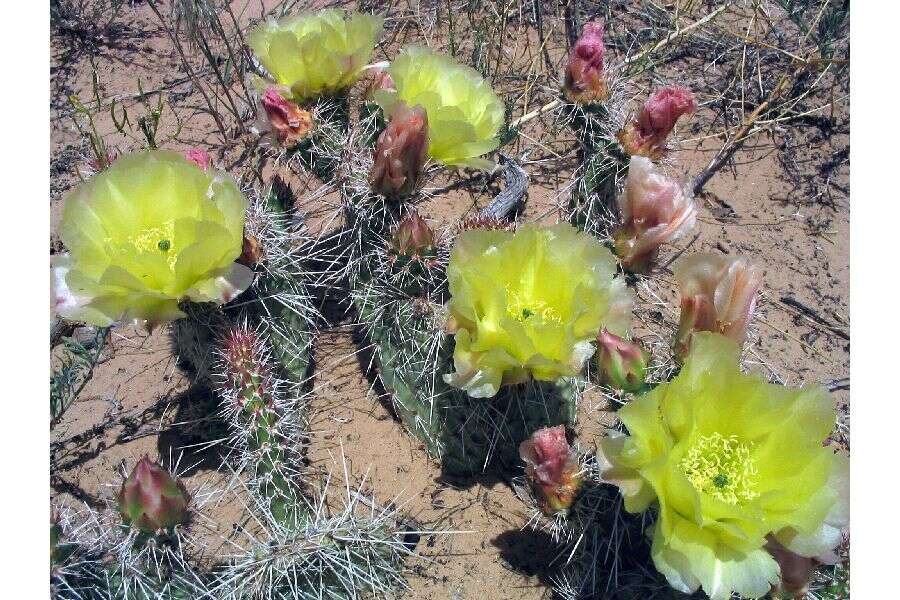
x=527 y=310
x=721 y=467
x=152 y=240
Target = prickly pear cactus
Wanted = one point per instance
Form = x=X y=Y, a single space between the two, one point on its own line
x=395 y=268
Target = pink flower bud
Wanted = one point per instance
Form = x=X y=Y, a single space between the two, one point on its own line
x=647 y=135
x=552 y=467
x=381 y=80
x=151 y=499
x=655 y=210
x=200 y=157
x=718 y=294
x=622 y=364
x=585 y=81
x=400 y=153
x=796 y=570
x=413 y=239
x=289 y=123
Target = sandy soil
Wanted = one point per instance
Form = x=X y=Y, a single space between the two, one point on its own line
x=139 y=401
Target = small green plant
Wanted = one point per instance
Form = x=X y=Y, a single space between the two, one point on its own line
x=75 y=370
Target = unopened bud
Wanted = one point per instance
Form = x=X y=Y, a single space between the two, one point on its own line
x=647 y=135
x=796 y=570
x=655 y=210
x=621 y=364
x=151 y=499
x=585 y=81
x=553 y=469
x=400 y=153
x=413 y=239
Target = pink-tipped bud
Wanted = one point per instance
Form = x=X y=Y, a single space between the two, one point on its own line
x=621 y=364
x=552 y=467
x=381 y=80
x=585 y=81
x=655 y=210
x=400 y=153
x=151 y=499
x=289 y=123
x=718 y=294
x=648 y=134
x=199 y=157
x=413 y=239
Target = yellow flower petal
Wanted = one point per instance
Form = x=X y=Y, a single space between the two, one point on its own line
x=730 y=459
x=319 y=53
x=529 y=304
x=149 y=231
x=464 y=113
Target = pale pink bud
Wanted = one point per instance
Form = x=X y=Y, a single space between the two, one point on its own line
x=552 y=467
x=401 y=152
x=288 y=122
x=413 y=237
x=200 y=157
x=718 y=294
x=151 y=499
x=381 y=80
x=647 y=135
x=655 y=210
x=585 y=81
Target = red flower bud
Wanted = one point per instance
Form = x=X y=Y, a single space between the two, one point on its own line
x=400 y=153
x=289 y=123
x=151 y=499
x=648 y=134
x=552 y=467
x=621 y=364
x=585 y=81
x=718 y=294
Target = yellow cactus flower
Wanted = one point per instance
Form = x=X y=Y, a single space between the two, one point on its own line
x=318 y=53
x=730 y=459
x=152 y=229
x=464 y=113
x=528 y=304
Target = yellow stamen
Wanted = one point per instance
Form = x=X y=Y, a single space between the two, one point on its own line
x=525 y=310
x=721 y=467
x=157 y=240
